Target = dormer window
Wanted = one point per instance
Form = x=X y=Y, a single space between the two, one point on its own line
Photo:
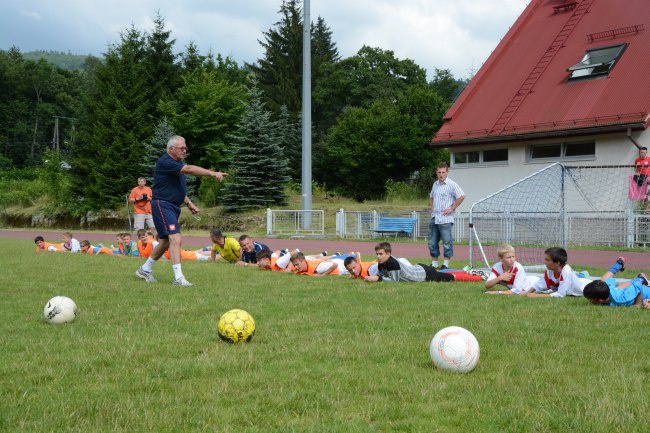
x=597 y=62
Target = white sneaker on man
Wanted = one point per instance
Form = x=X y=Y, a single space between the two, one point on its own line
x=182 y=282
x=147 y=276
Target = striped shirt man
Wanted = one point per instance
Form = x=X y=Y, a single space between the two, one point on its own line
x=443 y=195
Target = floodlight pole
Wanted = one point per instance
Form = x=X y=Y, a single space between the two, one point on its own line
x=306 y=116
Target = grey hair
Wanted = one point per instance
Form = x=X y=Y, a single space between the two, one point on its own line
x=172 y=141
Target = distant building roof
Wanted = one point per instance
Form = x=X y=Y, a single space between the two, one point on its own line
x=564 y=68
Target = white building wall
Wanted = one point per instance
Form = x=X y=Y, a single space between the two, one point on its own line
x=479 y=181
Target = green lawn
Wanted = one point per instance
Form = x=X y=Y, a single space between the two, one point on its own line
x=329 y=354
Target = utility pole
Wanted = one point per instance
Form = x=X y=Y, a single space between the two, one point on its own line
x=55 y=139
x=306 y=115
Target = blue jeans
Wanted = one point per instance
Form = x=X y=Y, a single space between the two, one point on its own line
x=437 y=232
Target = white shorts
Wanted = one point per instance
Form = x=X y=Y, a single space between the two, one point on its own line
x=140 y=219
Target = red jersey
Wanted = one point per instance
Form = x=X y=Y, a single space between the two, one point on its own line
x=642 y=165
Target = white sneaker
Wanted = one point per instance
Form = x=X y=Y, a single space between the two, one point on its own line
x=147 y=276
x=182 y=282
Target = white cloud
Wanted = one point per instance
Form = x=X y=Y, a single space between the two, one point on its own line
x=34 y=15
x=455 y=35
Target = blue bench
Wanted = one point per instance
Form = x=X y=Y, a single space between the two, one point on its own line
x=395 y=226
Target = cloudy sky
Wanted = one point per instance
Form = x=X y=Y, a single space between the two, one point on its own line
x=447 y=34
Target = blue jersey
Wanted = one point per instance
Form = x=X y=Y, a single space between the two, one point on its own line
x=252 y=256
x=626 y=296
x=168 y=183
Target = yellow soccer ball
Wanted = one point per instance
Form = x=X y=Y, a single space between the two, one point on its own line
x=236 y=326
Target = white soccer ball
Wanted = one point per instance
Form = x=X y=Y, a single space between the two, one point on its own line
x=60 y=309
x=455 y=349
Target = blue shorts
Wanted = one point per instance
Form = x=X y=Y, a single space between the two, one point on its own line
x=165 y=218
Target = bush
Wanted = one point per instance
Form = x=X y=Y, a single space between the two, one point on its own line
x=402 y=191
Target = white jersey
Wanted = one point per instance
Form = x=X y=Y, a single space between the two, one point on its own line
x=519 y=281
x=565 y=284
x=339 y=263
x=73 y=246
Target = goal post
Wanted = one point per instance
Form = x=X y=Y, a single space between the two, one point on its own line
x=559 y=205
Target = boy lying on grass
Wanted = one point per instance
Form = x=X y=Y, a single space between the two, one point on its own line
x=391 y=269
x=628 y=293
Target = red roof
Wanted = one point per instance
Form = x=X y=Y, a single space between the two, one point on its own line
x=523 y=89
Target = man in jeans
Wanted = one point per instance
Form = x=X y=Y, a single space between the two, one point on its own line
x=445 y=196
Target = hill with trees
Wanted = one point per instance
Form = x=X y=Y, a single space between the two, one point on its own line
x=60 y=59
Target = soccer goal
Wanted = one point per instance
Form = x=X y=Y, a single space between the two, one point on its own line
x=560 y=205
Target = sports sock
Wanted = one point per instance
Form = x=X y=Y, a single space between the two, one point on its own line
x=177 y=271
x=148 y=265
x=446 y=262
x=434 y=263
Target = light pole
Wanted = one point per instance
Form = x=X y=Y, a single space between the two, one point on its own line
x=306 y=116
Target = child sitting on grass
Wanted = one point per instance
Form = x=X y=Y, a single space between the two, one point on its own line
x=391 y=269
x=509 y=273
x=559 y=279
x=606 y=292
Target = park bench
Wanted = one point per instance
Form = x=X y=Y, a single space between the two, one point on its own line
x=395 y=226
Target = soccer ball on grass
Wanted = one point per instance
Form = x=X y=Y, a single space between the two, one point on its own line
x=236 y=326
x=60 y=309
x=454 y=349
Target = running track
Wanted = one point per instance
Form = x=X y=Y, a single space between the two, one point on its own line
x=595 y=258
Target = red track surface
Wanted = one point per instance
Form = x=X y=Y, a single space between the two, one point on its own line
x=595 y=258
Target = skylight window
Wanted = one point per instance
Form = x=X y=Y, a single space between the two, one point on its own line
x=597 y=61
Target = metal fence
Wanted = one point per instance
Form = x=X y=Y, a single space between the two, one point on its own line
x=359 y=224
x=295 y=222
x=630 y=229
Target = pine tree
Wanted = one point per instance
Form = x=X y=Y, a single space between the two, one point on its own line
x=155 y=148
x=163 y=73
x=259 y=166
x=279 y=72
x=121 y=108
x=290 y=133
x=117 y=121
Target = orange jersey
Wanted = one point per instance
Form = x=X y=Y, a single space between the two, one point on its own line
x=311 y=268
x=99 y=250
x=145 y=250
x=275 y=267
x=185 y=255
x=47 y=245
x=364 y=269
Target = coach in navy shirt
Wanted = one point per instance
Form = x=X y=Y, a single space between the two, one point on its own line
x=169 y=193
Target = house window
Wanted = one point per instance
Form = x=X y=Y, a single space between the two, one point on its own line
x=597 y=62
x=562 y=151
x=466 y=157
x=579 y=149
x=481 y=156
x=546 y=151
x=495 y=155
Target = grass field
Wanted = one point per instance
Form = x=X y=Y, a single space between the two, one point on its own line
x=329 y=354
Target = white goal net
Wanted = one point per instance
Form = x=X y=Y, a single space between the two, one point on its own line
x=559 y=205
